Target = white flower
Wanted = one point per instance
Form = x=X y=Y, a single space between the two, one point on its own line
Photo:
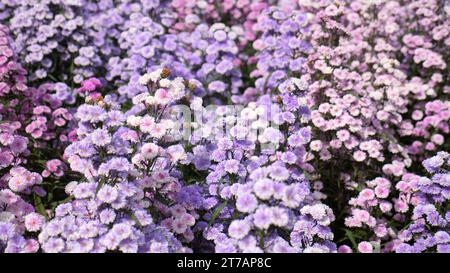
x=139 y=98
x=164 y=83
x=260 y=111
x=134 y=120
x=144 y=79
x=176 y=153
x=252 y=105
x=70 y=187
x=232 y=35
x=6 y=216
x=150 y=100
x=177 y=88
x=248 y=113
x=196 y=104
x=300 y=83
x=150 y=150
x=155 y=75
x=168 y=124
x=202 y=4
x=217 y=26
x=238 y=30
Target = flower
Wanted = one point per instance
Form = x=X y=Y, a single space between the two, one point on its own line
x=365 y=247
x=34 y=222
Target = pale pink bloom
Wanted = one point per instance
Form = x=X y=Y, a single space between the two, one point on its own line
x=31 y=246
x=34 y=222
x=382 y=115
x=150 y=150
x=366 y=194
x=344 y=249
x=365 y=247
x=324 y=108
x=325 y=154
x=158 y=130
x=385 y=206
x=316 y=145
x=336 y=143
x=438 y=139
x=381 y=192
x=188 y=219
x=359 y=156
x=430 y=146
x=146 y=124
x=162 y=96
x=179 y=226
x=417 y=115
x=343 y=135
x=401 y=206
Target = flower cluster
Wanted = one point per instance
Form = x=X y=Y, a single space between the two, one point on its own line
x=224 y=126
x=130 y=197
x=258 y=197
x=429 y=230
x=242 y=13
x=33 y=123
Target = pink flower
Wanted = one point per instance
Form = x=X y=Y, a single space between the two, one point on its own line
x=31 y=246
x=381 y=192
x=359 y=156
x=430 y=146
x=366 y=194
x=385 y=206
x=90 y=85
x=438 y=139
x=331 y=10
x=417 y=115
x=34 y=222
x=316 y=145
x=365 y=247
x=158 y=130
x=146 y=124
x=179 y=226
x=344 y=249
x=335 y=143
x=343 y=135
x=162 y=96
x=401 y=206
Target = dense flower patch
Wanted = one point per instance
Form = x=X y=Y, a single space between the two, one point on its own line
x=224 y=126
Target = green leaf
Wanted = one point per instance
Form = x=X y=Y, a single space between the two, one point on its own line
x=351 y=237
x=216 y=212
x=57 y=203
x=100 y=185
x=307 y=175
x=376 y=247
x=136 y=220
x=40 y=206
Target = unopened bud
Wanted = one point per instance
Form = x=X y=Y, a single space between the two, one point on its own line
x=191 y=86
x=165 y=73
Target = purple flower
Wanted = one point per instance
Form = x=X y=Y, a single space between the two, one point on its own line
x=263 y=188
x=238 y=229
x=6 y=231
x=246 y=203
x=444 y=248
x=107 y=194
x=279 y=173
x=54 y=245
x=100 y=137
x=262 y=218
x=231 y=166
